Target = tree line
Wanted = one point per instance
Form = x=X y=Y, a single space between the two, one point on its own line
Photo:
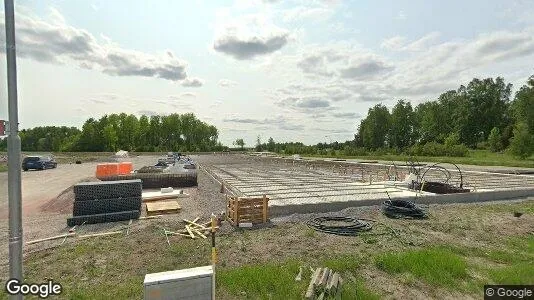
x=480 y=115
x=174 y=132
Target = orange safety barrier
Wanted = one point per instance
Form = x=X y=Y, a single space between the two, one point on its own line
x=109 y=169
x=125 y=168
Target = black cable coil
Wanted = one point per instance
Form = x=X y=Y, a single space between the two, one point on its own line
x=402 y=209
x=352 y=227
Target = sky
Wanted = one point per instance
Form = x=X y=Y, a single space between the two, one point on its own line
x=294 y=70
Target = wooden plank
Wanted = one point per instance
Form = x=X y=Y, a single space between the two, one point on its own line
x=310 y=292
x=51 y=238
x=189 y=231
x=150 y=217
x=193 y=224
x=155 y=196
x=198 y=232
x=331 y=287
x=99 y=234
x=265 y=208
x=162 y=207
x=324 y=277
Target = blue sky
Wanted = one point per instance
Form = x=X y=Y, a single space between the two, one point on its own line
x=290 y=69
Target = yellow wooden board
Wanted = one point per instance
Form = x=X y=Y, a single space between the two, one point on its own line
x=162 y=207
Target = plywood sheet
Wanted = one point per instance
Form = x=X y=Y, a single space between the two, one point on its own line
x=162 y=207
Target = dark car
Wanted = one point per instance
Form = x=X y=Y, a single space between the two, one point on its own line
x=38 y=163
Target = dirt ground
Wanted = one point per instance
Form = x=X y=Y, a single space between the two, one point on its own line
x=48 y=197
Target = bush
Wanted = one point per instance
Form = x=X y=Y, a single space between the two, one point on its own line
x=452 y=139
x=522 y=144
x=434 y=149
x=458 y=151
x=494 y=140
x=437 y=149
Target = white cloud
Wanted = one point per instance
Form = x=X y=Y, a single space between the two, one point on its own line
x=303 y=13
x=57 y=42
x=249 y=37
x=192 y=82
x=227 y=83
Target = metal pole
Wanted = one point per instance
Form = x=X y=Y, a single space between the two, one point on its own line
x=13 y=150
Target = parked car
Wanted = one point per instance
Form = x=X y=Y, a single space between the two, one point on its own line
x=38 y=163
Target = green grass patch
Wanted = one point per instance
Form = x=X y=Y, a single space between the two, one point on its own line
x=437 y=266
x=265 y=281
x=520 y=273
x=277 y=281
x=475 y=157
x=3 y=167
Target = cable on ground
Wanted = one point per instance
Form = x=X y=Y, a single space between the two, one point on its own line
x=346 y=226
x=399 y=209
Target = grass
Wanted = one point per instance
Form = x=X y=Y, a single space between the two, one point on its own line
x=520 y=273
x=263 y=263
x=475 y=157
x=3 y=167
x=437 y=266
x=277 y=281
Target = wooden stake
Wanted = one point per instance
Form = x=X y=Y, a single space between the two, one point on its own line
x=51 y=238
x=150 y=217
x=99 y=234
x=199 y=233
x=189 y=231
x=264 y=208
x=310 y=292
x=193 y=224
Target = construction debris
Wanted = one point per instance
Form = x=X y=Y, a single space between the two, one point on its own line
x=324 y=284
x=73 y=234
x=193 y=229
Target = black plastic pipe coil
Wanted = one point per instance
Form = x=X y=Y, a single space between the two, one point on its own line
x=402 y=209
x=353 y=226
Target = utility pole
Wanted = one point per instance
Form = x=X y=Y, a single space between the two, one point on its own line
x=13 y=152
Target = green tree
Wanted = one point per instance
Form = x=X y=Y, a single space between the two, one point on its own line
x=495 y=140
x=271 y=145
x=375 y=127
x=240 y=143
x=484 y=104
x=523 y=104
x=522 y=143
x=258 y=147
x=402 y=131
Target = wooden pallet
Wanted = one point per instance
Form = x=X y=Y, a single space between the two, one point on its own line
x=247 y=210
x=162 y=207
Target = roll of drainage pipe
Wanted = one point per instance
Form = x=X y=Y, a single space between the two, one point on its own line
x=346 y=226
x=399 y=209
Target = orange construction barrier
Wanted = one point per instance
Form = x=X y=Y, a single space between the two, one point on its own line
x=113 y=169
x=125 y=168
x=109 y=169
x=101 y=170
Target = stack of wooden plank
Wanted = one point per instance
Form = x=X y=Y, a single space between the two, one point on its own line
x=193 y=229
x=324 y=284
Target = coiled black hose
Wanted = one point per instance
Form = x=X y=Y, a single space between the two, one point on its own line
x=402 y=209
x=351 y=226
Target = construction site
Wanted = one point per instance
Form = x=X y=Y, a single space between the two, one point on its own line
x=313 y=222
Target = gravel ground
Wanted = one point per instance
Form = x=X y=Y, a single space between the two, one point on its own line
x=49 y=217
